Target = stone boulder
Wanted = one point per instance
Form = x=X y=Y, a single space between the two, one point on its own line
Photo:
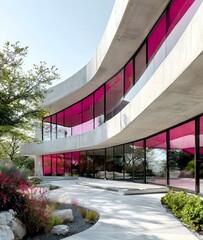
x=6 y=233
x=5 y=217
x=65 y=214
x=60 y=229
x=18 y=228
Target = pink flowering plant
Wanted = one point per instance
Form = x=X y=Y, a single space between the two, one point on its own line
x=28 y=201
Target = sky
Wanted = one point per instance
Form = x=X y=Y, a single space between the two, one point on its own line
x=64 y=33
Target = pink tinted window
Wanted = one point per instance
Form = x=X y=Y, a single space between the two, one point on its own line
x=46 y=165
x=138 y=144
x=99 y=106
x=158 y=141
x=140 y=62
x=76 y=118
x=60 y=164
x=87 y=114
x=60 y=118
x=54 y=162
x=156 y=37
x=114 y=94
x=201 y=135
x=176 y=11
x=128 y=76
x=67 y=162
x=183 y=137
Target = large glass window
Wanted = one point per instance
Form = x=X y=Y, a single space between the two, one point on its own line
x=156 y=37
x=90 y=164
x=60 y=165
x=47 y=165
x=114 y=95
x=53 y=126
x=156 y=159
x=140 y=62
x=99 y=107
x=75 y=163
x=176 y=11
x=181 y=156
x=46 y=128
x=87 y=114
x=200 y=160
x=109 y=163
x=68 y=163
x=60 y=125
x=99 y=163
x=118 y=162
x=129 y=81
x=83 y=164
x=76 y=118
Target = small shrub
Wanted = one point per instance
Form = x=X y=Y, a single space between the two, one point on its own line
x=35 y=180
x=91 y=216
x=53 y=187
x=192 y=213
x=186 y=207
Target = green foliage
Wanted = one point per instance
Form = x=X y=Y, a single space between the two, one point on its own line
x=35 y=180
x=10 y=171
x=188 y=208
x=52 y=221
x=24 y=162
x=21 y=93
x=90 y=216
x=192 y=213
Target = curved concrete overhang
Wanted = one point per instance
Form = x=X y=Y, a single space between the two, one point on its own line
x=129 y=24
x=173 y=94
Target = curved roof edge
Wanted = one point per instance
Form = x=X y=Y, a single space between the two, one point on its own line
x=129 y=24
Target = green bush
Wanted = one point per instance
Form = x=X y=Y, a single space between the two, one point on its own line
x=186 y=207
x=23 y=173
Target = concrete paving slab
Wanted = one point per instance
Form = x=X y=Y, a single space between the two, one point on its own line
x=129 y=217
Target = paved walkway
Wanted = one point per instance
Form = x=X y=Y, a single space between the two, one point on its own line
x=122 y=217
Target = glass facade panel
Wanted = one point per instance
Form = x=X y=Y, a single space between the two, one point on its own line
x=83 y=164
x=68 y=163
x=75 y=163
x=156 y=159
x=181 y=156
x=53 y=126
x=46 y=128
x=156 y=37
x=129 y=81
x=138 y=161
x=200 y=160
x=114 y=95
x=176 y=11
x=118 y=162
x=140 y=62
x=60 y=125
x=109 y=163
x=47 y=165
x=99 y=163
x=76 y=119
x=99 y=107
x=90 y=164
x=53 y=164
x=60 y=165
x=87 y=114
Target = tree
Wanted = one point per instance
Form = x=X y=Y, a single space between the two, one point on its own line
x=21 y=94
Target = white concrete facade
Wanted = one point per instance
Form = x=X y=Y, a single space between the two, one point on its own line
x=172 y=94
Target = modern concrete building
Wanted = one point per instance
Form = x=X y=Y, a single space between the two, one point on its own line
x=135 y=111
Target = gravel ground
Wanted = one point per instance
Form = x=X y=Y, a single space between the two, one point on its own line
x=78 y=225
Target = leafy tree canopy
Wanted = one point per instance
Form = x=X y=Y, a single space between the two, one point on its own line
x=21 y=93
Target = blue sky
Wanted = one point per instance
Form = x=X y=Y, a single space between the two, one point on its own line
x=64 y=33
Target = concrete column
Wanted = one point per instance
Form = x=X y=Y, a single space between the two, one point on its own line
x=38 y=166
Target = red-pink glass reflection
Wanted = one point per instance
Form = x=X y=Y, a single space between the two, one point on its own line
x=99 y=106
x=87 y=114
x=128 y=76
x=183 y=137
x=114 y=93
x=176 y=11
x=140 y=62
x=156 y=37
x=47 y=165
